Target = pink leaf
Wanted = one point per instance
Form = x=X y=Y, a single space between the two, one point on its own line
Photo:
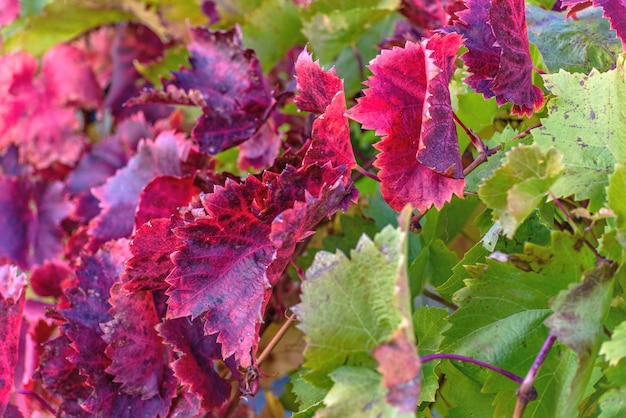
x=395 y=105
x=11 y=308
x=9 y=10
x=119 y=196
x=262 y=148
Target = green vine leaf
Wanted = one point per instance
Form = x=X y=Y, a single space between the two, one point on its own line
x=518 y=186
x=590 y=133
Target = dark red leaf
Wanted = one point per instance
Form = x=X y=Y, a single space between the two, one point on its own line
x=132 y=340
x=221 y=271
x=119 y=196
x=196 y=367
x=440 y=146
x=47 y=279
x=227 y=81
x=498 y=54
x=132 y=43
x=514 y=83
x=395 y=106
x=400 y=365
x=425 y=14
x=15 y=221
x=151 y=247
x=11 y=307
x=163 y=196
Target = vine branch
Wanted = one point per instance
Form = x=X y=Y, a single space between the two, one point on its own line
x=496 y=369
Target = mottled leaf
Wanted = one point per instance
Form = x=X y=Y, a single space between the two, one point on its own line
x=518 y=185
x=590 y=134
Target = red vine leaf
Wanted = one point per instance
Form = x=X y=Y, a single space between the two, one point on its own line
x=227 y=81
x=221 y=270
x=196 y=367
x=163 y=196
x=498 y=54
x=395 y=105
x=316 y=87
x=151 y=247
x=132 y=339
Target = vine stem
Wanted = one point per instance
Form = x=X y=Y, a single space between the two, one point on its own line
x=496 y=369
x=39 y=399
x=526 y=391
x=366 y=173
x=276 y=338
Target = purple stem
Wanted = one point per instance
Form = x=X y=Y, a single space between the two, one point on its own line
x=41 y=400
x=366 y=173
x=503 y=372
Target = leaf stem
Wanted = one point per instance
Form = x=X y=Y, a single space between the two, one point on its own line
x=476 y=141
x=496 y=369
x=39 y=399
x=436 y=297
x=526 y=391
x=481 y=158
x=276 y=338
x=366 y=173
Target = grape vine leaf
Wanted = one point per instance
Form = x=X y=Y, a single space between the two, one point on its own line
x=12 y=299
x=614 y=10
x=615 y=349
x=322 y=92
x=31 y=213
x=131 y=338
x=429 y=324
x=577 y=321
x=591 y=135
x=88 y=307
x=596 y=45
x=498 y=53
x=375 y=314
x=9 y=10
x=521 y=286
x=151 y=247
x=357 y=392
x=232 y=292
x=196 y=366
x=615 y=192
x=163 y=196
x=228 y=83
x=396 y=108
x=516 y=188
x=119 y=195
x=330 y=28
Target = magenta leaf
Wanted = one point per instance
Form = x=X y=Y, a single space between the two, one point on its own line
x=47 y=279
x=119 y=196
x=221 y=270
x=132 y=43
x=132 y=339
x=30 y=214
x=11 y=307
x=322 y=92
x=263 y=146
x=498 y=54
x=151 y=246
x=395 y=105
x=9 y=10
x=226 y=81
x=196 y=366
x=425 y=14
x=163 y=196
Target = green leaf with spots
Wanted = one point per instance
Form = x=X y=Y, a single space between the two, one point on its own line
x=516 y=188
x=590 y=133
x=348 y=306
x=574 y=45
x=331 y=25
